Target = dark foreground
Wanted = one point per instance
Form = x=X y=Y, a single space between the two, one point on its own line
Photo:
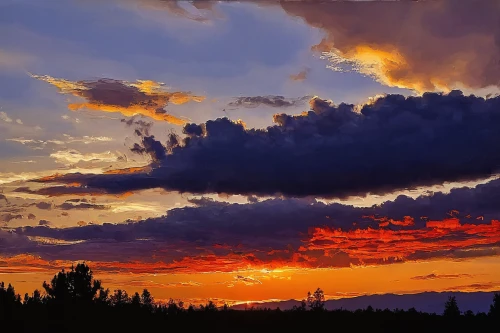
x=112 y=320
x=75 y=302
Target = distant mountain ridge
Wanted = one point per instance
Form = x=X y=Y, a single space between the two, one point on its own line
x=430 y=302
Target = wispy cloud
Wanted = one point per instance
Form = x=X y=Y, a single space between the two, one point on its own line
x=153 y=284
x=247 y=280
x=65 y=139
x=435 y=276
x=269 y=101
x=10 y=60
x=5 y=117
x=84 y=204
x=200 y=11
x=476 y=287
x=70 y=157
x=300 y=76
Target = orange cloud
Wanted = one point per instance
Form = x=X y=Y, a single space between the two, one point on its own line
x=209 y=263
x=147 y=98
x=128 y=170
x=25 y=263
x=424 y=46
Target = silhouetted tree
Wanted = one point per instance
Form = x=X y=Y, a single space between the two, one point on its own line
x=10 y=302
x=172 y=307
x=147 y=300
x=451 y=307
x=76 y=285
x=209 y=307
x=120 y=298
x=495 y=307
x=103 y=297
x=115 y=313
x=316 y=300
x=35 y=299
x=469 y=313
x=301 y=307
x=136 y=300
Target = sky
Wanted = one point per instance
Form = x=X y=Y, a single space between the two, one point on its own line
x=251 y=151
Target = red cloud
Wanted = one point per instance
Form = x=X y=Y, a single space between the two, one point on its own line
x=369 y=245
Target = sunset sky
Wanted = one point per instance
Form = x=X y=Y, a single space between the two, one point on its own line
x=254 y=150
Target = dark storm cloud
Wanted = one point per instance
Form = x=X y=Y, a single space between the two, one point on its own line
x=341 y=150
x=211 y=222
x=306 y=232
x=10 y=242
x=194 y=130
x=286 y=221
x=150 y=146
x=269 y=101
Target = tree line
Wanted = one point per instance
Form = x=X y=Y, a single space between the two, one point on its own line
x=75 y=301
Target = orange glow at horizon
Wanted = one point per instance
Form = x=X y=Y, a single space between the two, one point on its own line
x=197 y=288
x=254 y=275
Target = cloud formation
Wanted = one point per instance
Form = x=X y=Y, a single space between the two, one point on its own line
x=9 y=217
x=300 y=76
x=70 y=205
x=421 y=45
x=391 y=143
x=65 y=139
x=201 y=11
x=277 y=233
x=72 y=156
x=435 y=276
x=5 y=117
x=44 y=223
x=146 y=98
x=142 y=127
x=269 y=101
x=440 y=239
